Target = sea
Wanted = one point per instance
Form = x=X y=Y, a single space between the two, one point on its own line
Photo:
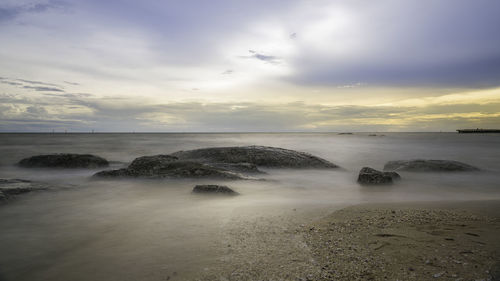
x=87 y=229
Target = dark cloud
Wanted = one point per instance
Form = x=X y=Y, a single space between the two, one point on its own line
x=11 y=83
x=43 y=89
x=36 y=82
x=477 y=73
x=8 y=13
x=262 y=57
x=69 y=95
x=72 y=83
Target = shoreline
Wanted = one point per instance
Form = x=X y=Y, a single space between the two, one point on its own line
x=442 y=240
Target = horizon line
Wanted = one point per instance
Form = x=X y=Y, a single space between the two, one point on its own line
x=222 y=132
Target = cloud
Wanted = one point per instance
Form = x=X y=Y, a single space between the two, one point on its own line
x=32 y=85
x=43 y=89
x=262 y=57
x=72 y=83
x=8 y=13
x=11 y=83
x=36 y=82
x=229 y=71
x=81 y=112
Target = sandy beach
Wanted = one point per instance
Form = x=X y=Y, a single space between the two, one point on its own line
x=393 y=241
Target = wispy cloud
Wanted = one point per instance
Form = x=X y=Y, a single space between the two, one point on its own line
x=43 y=89
x=13 y=11
x=262 y=57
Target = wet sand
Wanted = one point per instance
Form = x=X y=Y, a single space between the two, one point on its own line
x=393 y=241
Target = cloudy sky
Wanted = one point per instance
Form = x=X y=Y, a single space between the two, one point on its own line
x=238 y=65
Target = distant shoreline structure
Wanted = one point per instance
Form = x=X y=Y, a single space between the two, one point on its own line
x=478 y=131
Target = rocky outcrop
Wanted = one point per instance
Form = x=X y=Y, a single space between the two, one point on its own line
x=214 y=189
x=370 y=176
x=165 y=166
x=257 y=155
x=217 y=162
x=64 y=160
x=12 y=187
x=420 y=165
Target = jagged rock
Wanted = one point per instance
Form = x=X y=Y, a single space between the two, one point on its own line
x=368 y=175
x=212 y=188
x=64 y=160
x=420 y=165
x=11 y=187
x=258 y=155
x=164 y=166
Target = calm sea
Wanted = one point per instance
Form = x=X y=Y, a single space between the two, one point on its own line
x=146 y=229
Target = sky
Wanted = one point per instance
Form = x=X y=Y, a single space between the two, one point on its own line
x=249 y=66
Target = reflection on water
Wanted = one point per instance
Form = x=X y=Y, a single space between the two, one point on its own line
x=148 y=230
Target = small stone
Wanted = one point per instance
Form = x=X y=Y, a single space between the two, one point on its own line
x=213 y=188
x=437 y=275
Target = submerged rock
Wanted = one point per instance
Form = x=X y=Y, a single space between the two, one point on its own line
x=420 y=165
x=368 y=175
x=212 y=188
x=165 y=166
x=64 y=160
x=257 y=155
x=11 y=187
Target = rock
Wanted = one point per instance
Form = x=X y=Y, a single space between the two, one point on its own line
x=165 y=166
x=149 y=164
x=257 y=155
x=368 y=175
x=420 y=165
x=248 y=168
x=64 y=160
x=212 y=188
x=11 y=187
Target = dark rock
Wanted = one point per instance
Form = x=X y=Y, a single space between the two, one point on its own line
x=12 y=187
x=248 y=168
x=120 y=173
x=212 y=188
x=368 y=175
x=257 y=155
x=164 y=166
x=64 y=160
x=345 y=133
x=150 y=163
x=420 y=165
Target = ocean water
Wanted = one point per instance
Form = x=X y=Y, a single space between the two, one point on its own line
x=157 y=229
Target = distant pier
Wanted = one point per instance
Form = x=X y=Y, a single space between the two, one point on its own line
x=478 y=131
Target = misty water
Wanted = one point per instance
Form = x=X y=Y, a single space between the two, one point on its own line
x=157 y=229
